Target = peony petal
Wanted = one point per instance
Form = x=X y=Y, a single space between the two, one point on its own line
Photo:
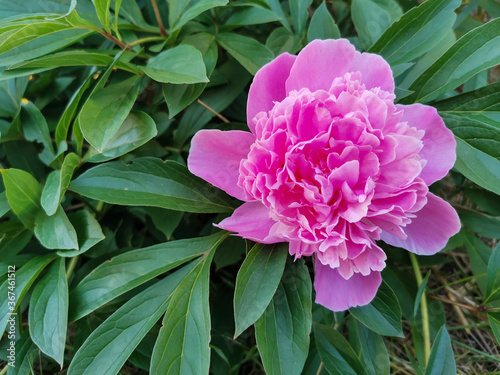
x=215 y=156
x=429 y=232
x=319 y=63
x=439 y=142
x=338 y=294
x=268 y=86
x=375 y=71
x=251 y=220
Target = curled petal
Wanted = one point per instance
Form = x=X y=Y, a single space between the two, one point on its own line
x=319 y=63
x=251 y=220
x=439 y=142
x=375 y=71
x=268 y=86
x=338 y=294
x=429 y=232
x=215 y=156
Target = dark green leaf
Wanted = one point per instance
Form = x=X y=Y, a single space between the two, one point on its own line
x=249 y=53
x=182 y=11
x=26 y=353
x=417 y=31
x=281 y=40
x=151 y=182
x=479 y=254
x=300 y=14
x=48 y=312
x=4 y=204
x=133 y=268
x=420 y=291
x=337 y=355
x=252 y=15
x=494 y=319
x=493 y=277
x=256 y=283
x=282 y=332
x=442 y=360
x=383 y=314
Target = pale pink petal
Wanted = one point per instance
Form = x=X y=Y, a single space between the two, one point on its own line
x=375 y=71
x=251 y=220
x=429 y=232
x=439 y=142
x=215 y=156
x=319 y=63
x=338 y=294
x=268 y=86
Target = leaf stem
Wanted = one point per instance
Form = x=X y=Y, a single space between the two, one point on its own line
x=158 y=18
x=320 y=368
x=145 y=40
x=423 y=309
x=4 y=370
x=213 y=111
x=71 y=267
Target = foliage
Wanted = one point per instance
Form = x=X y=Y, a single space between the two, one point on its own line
x=118 y=268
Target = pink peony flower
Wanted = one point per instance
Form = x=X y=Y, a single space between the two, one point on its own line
x=332 y=165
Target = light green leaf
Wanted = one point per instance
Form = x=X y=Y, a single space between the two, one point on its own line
x=249 y=53
x=25 y=276
x=252 y=15
x=23 y=193
x=182 y=346
x=106 y=110
x=57 y=183
x=322 y=25
x=282 y=332
x=417 y=31
x=137 y=129
x=476 y=51
x=35 y=128
x=494 y=320
x=181 y=64
x=442 y=359
x=102 y=10
x=128 y=270
x=383 y=314
x=337 y=355
x=300 y=14
x=108 y=347
x=48 y=312
x=88 y=231
x=151 y=182
x=372 y=18
x=182 y=11
x=493 y=276
x=56 y=231
x=256 y=283
x=4 y=204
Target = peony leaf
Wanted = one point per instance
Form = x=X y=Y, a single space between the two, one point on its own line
x=442 y=360
x=322 y=25
x=493 y=276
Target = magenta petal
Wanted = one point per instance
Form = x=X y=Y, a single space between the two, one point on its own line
x=268 y=86
x=429 y=232
x=375 y=71
x=338 y=294
x=251 y=220
x=319 y=63
x=215 y=156
x=439 y=142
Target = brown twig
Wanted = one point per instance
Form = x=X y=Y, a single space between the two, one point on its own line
x=158 y=18
x=213 y=111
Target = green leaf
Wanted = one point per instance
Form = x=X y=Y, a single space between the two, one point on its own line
x=4 y=204
x=102 y=10
x=479 y=254
x=57 y=183
x=494 y=320
x=88 y=231
x=104 y=112
x=128 y=270
x=420 y=291
x=370 y=347
x=181 y=64
x=337 y=355
x=484 y=225
x=108 y=347
x=165 y=221
x=56 y=231
x=493 y=276
x=300 y=14
x=256 y=283
x=281 y=40
x=249 y=53
x=474 y=52
x=26 y=354
x=25 y=276
x=442 y=360
x=182 y=346
x=182 y=11
x=48 y=312
x=137 y=129
x=151 y=182
x=23 y=193
x=252 y=15
x=383 y=314
x=372 y=18
x=322 y=25
x=282 y=332
x=417 y=31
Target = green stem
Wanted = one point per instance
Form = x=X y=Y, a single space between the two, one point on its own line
x=423 y=309
x=146 y=40
x=4 y=370
x=71 y=268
